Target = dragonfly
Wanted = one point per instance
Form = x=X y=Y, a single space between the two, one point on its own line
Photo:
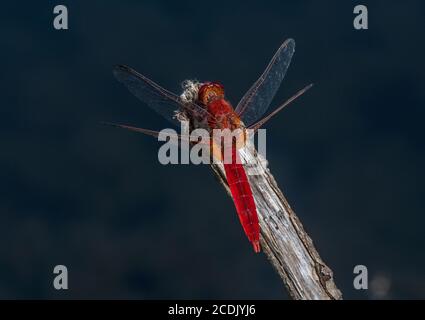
x=209 y=107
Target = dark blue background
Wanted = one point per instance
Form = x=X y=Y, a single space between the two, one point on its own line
x=349 y=154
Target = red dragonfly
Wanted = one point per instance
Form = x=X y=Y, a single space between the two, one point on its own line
x=209 y=106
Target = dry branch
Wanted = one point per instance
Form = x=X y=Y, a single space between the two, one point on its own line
x=283 y=238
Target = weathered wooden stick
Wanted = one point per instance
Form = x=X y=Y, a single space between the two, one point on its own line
x=283 y=239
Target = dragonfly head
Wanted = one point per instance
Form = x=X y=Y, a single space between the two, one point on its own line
x=209 y=92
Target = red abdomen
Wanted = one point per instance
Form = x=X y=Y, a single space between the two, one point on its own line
x=243 y=199
x=224 y=117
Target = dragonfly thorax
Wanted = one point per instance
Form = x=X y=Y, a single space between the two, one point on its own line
x=210 y=91
x=222 y=115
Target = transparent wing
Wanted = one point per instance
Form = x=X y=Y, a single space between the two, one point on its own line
x=157 y=98
x=260 y=123
x=258 y=98
x=177 y=138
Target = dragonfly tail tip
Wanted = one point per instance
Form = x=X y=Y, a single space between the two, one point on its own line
x=256 y=245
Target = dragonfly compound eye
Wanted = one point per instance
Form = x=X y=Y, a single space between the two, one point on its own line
x=210 y=91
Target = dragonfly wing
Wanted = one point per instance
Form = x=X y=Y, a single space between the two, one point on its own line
x=257 y=125
x=159 y=99
x=177 y=137
x=258 y=98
